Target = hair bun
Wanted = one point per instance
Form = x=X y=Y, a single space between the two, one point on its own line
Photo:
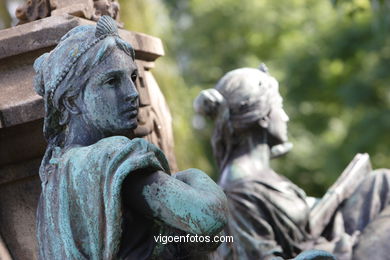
x=209 y=102
x=39 y=84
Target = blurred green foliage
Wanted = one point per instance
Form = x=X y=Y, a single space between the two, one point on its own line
x=153 y=17
x=332 y=59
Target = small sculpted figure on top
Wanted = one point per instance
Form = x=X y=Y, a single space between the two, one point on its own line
x=270 y=217
x=105 y=196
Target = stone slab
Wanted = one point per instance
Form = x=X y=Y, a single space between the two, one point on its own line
x=18 y=205
x=46 y=32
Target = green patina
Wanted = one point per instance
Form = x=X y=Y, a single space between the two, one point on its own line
x=85 y=210
x=196 y=213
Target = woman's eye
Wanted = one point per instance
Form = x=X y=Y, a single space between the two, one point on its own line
x=134 y=77
x=111 y=81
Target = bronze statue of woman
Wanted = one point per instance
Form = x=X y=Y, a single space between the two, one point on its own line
x=104 y=195
x=269 y=215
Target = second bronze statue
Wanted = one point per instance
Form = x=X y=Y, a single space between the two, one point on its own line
x=269 y=215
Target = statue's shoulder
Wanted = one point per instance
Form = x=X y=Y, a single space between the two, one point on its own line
x=121 y=141
x=113 y=151
x=103 y=146
x=105 y=150
x=107 y=158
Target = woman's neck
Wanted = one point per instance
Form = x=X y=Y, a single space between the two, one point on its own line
x=253 y=146
x=250 y=156
x=79 y=133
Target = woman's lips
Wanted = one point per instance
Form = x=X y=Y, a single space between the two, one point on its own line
x=132 y=112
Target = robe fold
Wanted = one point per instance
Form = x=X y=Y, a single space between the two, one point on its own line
x=80 y=212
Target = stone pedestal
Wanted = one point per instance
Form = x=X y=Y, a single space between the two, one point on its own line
x=21 y=120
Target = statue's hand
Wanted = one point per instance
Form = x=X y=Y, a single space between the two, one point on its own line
x=188 y=200
x=203 y=194
x=198 y=180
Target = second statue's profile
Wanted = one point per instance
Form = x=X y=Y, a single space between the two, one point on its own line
x=270 y=216
x=105 y=195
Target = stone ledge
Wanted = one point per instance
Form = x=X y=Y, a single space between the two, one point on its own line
x=46 y=32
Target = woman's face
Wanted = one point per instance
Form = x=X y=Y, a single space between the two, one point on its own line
x=278 y=119
x=110 y=99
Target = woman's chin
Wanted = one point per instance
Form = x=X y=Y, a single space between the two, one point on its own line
x=126 y=128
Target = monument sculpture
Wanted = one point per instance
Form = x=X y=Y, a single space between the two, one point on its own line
x=269 y=215
x=22 y=110
x=104 y=195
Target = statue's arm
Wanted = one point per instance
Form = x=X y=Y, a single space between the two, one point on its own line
x=188 y=200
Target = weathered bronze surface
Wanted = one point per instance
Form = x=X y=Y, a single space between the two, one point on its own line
x=21 y=120
x=106 y=194
x=269 y=215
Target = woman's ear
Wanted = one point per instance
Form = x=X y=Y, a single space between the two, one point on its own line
x=71 y=105
x=264 y=122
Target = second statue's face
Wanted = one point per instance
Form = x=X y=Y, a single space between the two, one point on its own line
x=110 y=99
x=278 y=120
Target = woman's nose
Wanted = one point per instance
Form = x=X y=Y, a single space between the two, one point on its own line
x=130 y=92
x=132 y=98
